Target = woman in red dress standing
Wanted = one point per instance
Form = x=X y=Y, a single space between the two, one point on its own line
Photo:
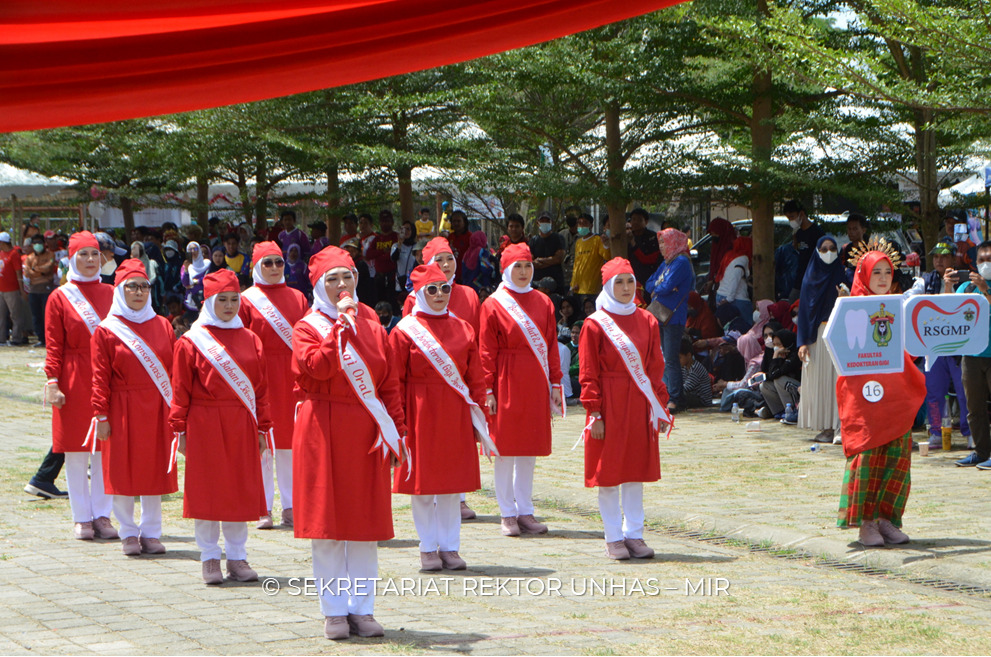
x=270 y=309
x=621 y=374
x=71 y=316
x=877 y=434
x=522 y=369
x=132 y=393
x=440 y=376
x=463 y=305
x=220 y=416
x=349 y=425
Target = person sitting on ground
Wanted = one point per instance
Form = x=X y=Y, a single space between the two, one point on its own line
x=698 y=383
x=783 y=378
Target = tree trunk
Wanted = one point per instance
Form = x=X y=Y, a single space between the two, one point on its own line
x=203 y=201
x=927 y=176
x=406 y=210
x=127 y=208
x=261 y=195
x=615 y=199
x=333 y=203
x=761 y=205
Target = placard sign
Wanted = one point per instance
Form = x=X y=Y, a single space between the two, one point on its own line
x=946 y=324
x=865 y=335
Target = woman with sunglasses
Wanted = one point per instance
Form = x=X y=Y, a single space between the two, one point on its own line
x=270 y=309
x=132 y=393
x=463 y=304
x=439 y=370
x=522 y=369
x=71 y=316
x=221 y=421
x=623 y=392
x=348 y=428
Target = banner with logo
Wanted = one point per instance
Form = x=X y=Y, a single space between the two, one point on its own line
x=946 y=324
x=866 y=335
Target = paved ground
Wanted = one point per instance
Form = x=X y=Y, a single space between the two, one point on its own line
x=60 y=596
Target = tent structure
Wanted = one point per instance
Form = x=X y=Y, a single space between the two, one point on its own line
x=66 y=62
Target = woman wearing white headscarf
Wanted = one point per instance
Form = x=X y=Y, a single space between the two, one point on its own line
x=132 y=393
x=193 y=271
x=623 y=391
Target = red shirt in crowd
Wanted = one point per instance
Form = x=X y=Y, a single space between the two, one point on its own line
x=10 y=270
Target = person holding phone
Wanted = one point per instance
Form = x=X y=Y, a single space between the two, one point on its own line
x=783 y=377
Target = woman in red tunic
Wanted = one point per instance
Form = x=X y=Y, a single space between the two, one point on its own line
x=621 y=374
x=437 y=359
x=463 y=305
x=342 y=443
x=132 y=358
x=270 y=309
x=220 y=415
x=522 y=369
x=71 y=316
x=877 y=434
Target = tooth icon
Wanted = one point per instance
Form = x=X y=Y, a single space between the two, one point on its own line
x=856 y=322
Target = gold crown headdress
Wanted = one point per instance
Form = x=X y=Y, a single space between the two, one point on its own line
x=875 y=243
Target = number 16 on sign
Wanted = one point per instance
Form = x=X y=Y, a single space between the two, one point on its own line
x=873 y=391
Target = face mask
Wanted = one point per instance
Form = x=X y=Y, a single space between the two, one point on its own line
x=544 y=227
x=756 y=316
x=794 y=224
x=605 y=233
x=169 y=253
x=38 y=248
x=108 y=267
x=769 y=342
x=984 y=269
x=829 y=257
x=583 y=231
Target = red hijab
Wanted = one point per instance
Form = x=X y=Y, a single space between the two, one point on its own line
x=700 y=317
x=867 y=425
x=724 y=230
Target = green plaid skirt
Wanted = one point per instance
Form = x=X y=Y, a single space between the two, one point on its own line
x=876 y=484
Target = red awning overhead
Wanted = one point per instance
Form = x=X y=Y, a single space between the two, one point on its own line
x=70 y=62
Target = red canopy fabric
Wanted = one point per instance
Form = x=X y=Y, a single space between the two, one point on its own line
x=71 y=62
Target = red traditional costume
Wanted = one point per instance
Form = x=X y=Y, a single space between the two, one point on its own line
x=464 y=300
x=220 y=404
x=621 y=377
x=71 y=316
x=877 y=437
x=270 y=311
x=341 y=440
x=132 y=359
x=521 y=363
x=440 y=375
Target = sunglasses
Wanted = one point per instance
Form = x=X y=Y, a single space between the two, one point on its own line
x=273 y=263
x=137 y=287
x=444 y=289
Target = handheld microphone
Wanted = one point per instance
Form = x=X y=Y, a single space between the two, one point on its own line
x=351 y=312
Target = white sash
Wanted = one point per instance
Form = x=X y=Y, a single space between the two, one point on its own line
x=81 y=305
x=145 y=355
x=226 y=366
x=364 y=387
x=444 y=365
x=631 y=358
x=270 y=312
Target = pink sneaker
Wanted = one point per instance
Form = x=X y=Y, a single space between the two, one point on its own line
x=83 y=531
x=103 y=529
x=452 y=560
x=467 y=513
x=336 y=628
x=638 y=548
x=239 y=571
x=430 y=562
x=617 y=550
x=265 y=522
x=510 y=527
x=287 y=517
x=890 y=533
x=529 y=525
x=131 y=546
x=152 y=546
x=365 y=625
x=870 y=536
x=211 y=572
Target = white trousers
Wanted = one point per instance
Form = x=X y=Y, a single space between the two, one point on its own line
x=208 y=539
x=626 y=522
x=514 y=485
x=283 y=466
x=86 y=497
x=345 y=573
x=151 y=516
x=437 y=519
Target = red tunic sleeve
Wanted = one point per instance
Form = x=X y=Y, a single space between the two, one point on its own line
x=399 y=351
x=314 y=356
x=54 y=334
x=589 y=348
x=488 y=346
x=263 y=408
x=183 y=366
x=474 y=378
x=101 y=359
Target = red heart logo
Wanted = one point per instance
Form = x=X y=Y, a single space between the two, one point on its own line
x=932 y=306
